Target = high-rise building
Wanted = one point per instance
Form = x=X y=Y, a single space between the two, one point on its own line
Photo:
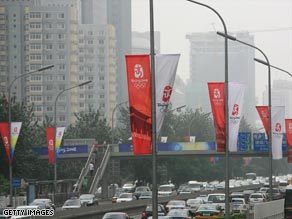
x=119 y=15
x=44 y=32
x=207 y=65
x=281 y=96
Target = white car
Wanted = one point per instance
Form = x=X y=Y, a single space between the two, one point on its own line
x=128 y=187
x=238 y=206
x=166 y=190
x=257 y=197
x=172 y=204
x=72 y=204
x=126 y=197
x=24 y=207
x=88 y=199
x=194 y=203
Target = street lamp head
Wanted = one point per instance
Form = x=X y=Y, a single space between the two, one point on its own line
x=226 y=35
x=87 y=82
x=46 y=67
x=260 y=61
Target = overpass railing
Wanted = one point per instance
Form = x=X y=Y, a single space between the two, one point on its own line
x=100 y=171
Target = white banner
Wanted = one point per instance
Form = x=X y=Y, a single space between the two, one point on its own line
x=278 y=128
x=235 y=106
x=192 y=138
x=165 y=71
x=163 y=139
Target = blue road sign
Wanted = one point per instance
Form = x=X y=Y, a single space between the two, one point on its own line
x=16 y=182
x=260 y=143
x=244 y=141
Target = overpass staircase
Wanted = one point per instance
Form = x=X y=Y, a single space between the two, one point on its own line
x=100 y=163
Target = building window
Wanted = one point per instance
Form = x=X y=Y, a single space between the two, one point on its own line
x=62 y=118
x=61 y=56
x=49 y=98
x=49 y=46
x=48 y=15
x=48 y=36
x=35 y=57
x=49 y=77
x=49 y=56
x=49 y=108
x=36 y=88
x=81 y=77
x=35 y=98
x=81 y=96
x=48 y=25
x=61 y=46
x=62 y=67
x=61 y=36
x=60 y=25
x=35 y=15
x=35 y=46
x=61 y=15
x=81 y=105
x=35 y=77
x=49 y=87
x=35 y=36
x=35 y=26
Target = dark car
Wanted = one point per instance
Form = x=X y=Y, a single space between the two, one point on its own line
x=116 y=215
x=44 y=203
x=140 y=189
x=148 y=211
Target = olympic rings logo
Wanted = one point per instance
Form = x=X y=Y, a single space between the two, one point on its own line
x=139 y=85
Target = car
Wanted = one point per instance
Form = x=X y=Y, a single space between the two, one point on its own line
x=194 y=203
x=117 y=194
x=72 y=204
x=140 y=189
x=174 y=204
x=185 y=190
x=126 y=197
x=25 y=207
x=116 y=215
x=45 y=203
x=161 y=211
x=88 y=199
x=217 y=198
x=166 y=190
x=146 y=195
x=276 y=194
x=128 y=187
x=238 y=205
x=180 y=213
x=257 y=197
x=209 y=211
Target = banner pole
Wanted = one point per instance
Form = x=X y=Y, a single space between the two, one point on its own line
x=154 y=148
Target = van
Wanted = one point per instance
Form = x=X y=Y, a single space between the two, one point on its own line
x=288 y=202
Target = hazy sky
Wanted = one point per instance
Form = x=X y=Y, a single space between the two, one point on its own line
x=270 y=21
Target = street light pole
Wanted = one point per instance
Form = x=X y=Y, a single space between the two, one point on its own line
x=113 y=112
x=9 y=121
x=265 y=63
x=55 y=124
x=270 y=105
x=153 y=113
x=227 y=207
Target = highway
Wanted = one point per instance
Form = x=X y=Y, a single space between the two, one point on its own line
x=133 y=208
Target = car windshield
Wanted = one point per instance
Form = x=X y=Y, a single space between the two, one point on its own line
x=194 y=201
x=149 y=208
x=178 y=212
x=125 y=195
x=89 y=196
x=165 y=188
x=39 y=202
x=207 y=207
x=237 y=201
x=72 y=202
x=216 y=198
x=256 y=196
x=176 y=203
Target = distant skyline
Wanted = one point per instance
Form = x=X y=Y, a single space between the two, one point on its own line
x=270 y=21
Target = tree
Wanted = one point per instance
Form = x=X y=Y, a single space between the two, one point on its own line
x=89 y=125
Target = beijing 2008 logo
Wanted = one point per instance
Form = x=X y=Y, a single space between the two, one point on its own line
x=235 y=110
x=138 y=71
x=139 y=81
x=278 y=127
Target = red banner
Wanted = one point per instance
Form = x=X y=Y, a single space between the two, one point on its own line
x=50 y=133
x=263 y=112
x=4 y=130
x=139 y=91
x=217 y=99
x=288 y=125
